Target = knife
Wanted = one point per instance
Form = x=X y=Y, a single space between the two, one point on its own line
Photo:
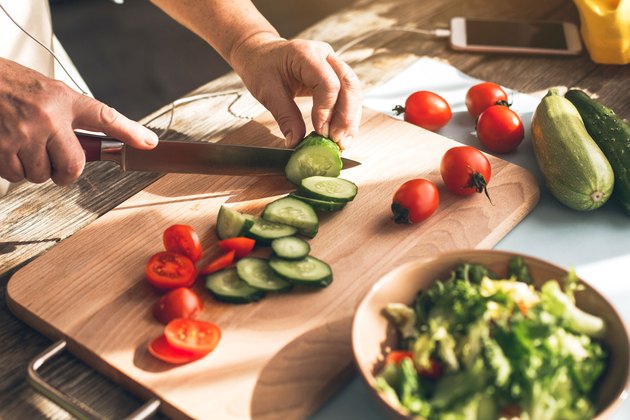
x=191 y=157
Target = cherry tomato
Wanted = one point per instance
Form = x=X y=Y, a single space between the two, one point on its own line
x=178 y=303
x=161 y=349
x=415 y=201
x=198 y=337
x=218 y=263
x=182 y=239
x=426 y=109
x=500 y=129
x=167 y=270
x=433 y=371
x=465 y=170
x=241 y=245
x=484 y=95
x=397 y=356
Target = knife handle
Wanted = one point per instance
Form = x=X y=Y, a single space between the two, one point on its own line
x=91 y=146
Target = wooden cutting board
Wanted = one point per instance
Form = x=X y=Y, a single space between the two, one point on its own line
x=285 y=355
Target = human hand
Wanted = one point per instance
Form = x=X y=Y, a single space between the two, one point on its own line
x=276 y=71
x=37 y=119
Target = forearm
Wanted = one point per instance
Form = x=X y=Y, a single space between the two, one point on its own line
x=224 y=24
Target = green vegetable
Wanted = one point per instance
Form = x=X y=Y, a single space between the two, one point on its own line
x=308 y=271
x=320 y=205
x=612 y=135
x=518 y=270
x=266 y=231
x=226 y=285
x=258 y=274
x=231 y=223
x=574 y=168
x=328 y=188
x=315 y=155
x=290 y=248
x=293 y=212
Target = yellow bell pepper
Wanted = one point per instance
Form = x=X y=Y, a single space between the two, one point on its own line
x=605 y=29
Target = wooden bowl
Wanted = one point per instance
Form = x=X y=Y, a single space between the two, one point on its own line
x=372 y=335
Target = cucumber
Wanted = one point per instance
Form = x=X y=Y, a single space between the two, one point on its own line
x=293 y=212
x=320 y=205
x=612 y=135
x=327 y=188
x=290 y=248
x=266 y=231
x=574 y=168
x=315 y=155
x=309 y=271
x=227 y=286
x=258 y=274
x=231 y=223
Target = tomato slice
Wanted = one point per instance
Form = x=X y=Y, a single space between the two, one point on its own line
x=161 y=349
x=198 y=337
x=178 y=303
x=242 y=246
x=398 y=356
x=218 y=263
x=182 y=239
x=167 y=270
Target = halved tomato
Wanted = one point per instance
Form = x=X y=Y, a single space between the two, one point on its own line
x=241 y=245
x=182 y=239
x=198 y=337
x=218 y=263
x=167 y=270
x=161 y=349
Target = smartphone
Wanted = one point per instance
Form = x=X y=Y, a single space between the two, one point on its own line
x=487 y=35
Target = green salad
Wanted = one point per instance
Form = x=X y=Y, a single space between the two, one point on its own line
x=478 y=347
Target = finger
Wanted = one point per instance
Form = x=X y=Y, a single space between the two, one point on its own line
x=67 y=158
x=35 y=162
x=11 y=168
x=93 y=115
x=287 y=115
x=346 y=117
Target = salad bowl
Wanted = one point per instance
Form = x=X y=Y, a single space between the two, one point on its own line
x=374 y=336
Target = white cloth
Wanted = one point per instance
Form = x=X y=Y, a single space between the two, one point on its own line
x=15 y=45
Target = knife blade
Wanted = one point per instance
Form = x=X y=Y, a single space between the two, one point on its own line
x=191 y=157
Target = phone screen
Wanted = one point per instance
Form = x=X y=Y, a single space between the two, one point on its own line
x=516 y=34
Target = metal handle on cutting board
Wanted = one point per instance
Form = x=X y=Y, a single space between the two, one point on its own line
x=67 y=402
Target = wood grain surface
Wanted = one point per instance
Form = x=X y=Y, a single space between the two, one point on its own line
x=285 y=354
x=36 y=217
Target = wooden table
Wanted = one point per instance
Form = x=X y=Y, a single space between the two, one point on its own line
x=35 y=217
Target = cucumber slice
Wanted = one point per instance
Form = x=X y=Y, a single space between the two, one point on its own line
x=227 y=286
x=315 y=155
x=320 y=205
x=231 y=223
x=290 y=248
x=293 y=212
x=328 y=188
x=308 y=271
x=257 y=273
x=266 y=231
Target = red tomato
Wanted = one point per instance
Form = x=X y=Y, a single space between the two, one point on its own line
x=219 y=263
x=434 y=371
x=178 y=303
x=415 y=201
x=397 y=356
x=426 y=109
x=161 y=349
x=484 y=95
x=241 y=245
x=182 y=239
x=167 y=270
x=198 y=337
x=465 y=170
x=500 y=129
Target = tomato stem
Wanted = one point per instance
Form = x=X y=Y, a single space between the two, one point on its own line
x=399 y=109
x=401 y=214
x=478 y=182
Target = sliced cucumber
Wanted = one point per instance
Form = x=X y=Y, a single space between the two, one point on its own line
x=290 y=248
x=328 y=188
x=293 y=212
x=227 y=286
x=320 y=205
x=308 y=271
x=315 y=155
x=266 y=231
x=231 y=223
x=258 y=274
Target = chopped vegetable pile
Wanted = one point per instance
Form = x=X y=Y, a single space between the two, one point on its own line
x=475 y=346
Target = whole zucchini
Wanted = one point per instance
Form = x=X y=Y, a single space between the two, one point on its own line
x=612 y=135
x=574 y=168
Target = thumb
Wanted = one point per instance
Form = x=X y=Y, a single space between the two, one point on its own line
x=287 y=115
x=92 y=115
